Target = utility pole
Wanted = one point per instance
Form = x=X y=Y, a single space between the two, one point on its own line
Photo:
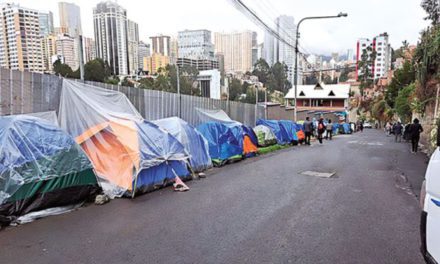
x=297 y=51
x=178 y=91
x=256 y=103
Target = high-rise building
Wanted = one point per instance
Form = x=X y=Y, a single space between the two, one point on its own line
x=70 y=18
x=161 y=45
x=88 y=49
x=49 y=49
x=382 y=63
x=155 y=62
x=335 y=56
x=67 y=47
x=350 y=55
x=46 y=23
x=254 y=48
x=276 y=50
x=22 y=50
x=144 y=52
x=195 y=44
x=110 y=26
x=285 y=52
x=133 y=46
x=237 y=50
x=174 y=50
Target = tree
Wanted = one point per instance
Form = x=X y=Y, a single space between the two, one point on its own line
x=188 y=79
x=432 y=8
x=278 y=78
x=97 y=70
x=235 y=89
x=126 y=82
x=403 y=103
x=366 y=76
x=401 y=78
x=344 y=74
x=262 y=70
x=146 y=83
x=62 y=69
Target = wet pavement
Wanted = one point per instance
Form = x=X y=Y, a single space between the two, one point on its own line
x=261 y=210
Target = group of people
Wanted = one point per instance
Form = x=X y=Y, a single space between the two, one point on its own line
x=410 y=132
x=317 y=128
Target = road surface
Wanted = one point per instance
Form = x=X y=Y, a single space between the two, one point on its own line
x=261 y=210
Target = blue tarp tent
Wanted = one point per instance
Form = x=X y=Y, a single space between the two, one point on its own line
x=222 y=141
x=290 y=128
x=40 y=167
x=241 y=132
x=335 y=128
x=195 y=144
x=346 y=128
x=281 y=134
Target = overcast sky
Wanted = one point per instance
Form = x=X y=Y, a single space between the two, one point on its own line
x=402 y=19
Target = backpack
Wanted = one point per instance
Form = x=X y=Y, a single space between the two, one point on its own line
x=320 y=126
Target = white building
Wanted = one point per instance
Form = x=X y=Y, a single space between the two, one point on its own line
x=195 y=44
x=70 y=18
x=20 y=40
x=49 y=49
x=210 y=83
x=144 y=52
x=382 y=47
x=133 y=46
x=67 y=47
x=238 y=50
x=89 y=52
x=278 y=51
x=110 y=26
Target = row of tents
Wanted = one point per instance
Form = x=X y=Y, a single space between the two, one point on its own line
x=100 y=143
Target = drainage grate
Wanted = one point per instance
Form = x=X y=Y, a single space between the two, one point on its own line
x=318 y=174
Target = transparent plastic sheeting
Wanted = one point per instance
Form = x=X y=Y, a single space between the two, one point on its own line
x=33 y=150
x=206 y=115
x=127 y=152
x=195 y=144
x=50 y=116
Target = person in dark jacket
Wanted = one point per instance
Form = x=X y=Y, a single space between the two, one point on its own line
x=308 y=130
x=398 y=132
x=415 y=130
x=321 y=129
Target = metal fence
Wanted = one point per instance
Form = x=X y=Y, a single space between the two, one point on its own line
x=25 y=92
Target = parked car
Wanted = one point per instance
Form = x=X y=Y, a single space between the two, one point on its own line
x=367 y=125
x=430 y=203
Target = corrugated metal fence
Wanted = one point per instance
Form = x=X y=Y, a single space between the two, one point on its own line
x=24 y=92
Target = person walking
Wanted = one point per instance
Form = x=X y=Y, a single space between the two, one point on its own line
x=415 y=130
x=398 y=132
x=308 y=130
x=329 y=128
x=320 y=129
x=388 y=129
x=361 y=126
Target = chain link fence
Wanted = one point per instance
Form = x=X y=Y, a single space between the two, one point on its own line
x=25 y=92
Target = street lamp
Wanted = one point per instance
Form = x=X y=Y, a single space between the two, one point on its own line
x=296 y=51
x=178 y=91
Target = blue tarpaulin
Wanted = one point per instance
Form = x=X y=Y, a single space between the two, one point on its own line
x=290 y=128
x=195 y=144
x=281 y=135
x=223 y=143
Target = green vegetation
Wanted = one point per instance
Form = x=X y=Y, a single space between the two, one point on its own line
x=403 y=103
x=274 y=78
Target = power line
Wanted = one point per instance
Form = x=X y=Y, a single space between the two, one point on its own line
x=253 y=16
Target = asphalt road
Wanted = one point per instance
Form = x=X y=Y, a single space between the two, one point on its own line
x=261 y=210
